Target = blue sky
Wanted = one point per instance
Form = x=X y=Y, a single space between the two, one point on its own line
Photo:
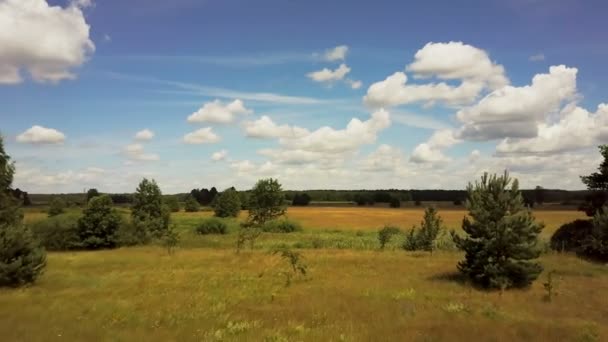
x=319 y=94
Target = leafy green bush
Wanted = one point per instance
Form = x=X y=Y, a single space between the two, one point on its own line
x=227 y=204
x=385 y=234
x=569 y=237
x=57 y=207
x=212 y=226
x=425 y=237
x=97 y=227
x=58 y=233
x=132 y=233
x=173 y=204
x=595 y=245
x=281 y=226
x=191 y=205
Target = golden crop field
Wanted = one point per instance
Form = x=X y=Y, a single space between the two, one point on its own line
x=352 y=291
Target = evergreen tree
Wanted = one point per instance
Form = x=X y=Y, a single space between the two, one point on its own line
x=56 y=207
x=227 y=204
x=98 y=226
x=22 y=260
x=597 y=182
x=424 y=238
x=595 y=245
x=148 y=210
x=502 y=235
x=191 y=205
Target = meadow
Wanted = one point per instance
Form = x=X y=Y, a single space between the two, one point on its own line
x=352 y=290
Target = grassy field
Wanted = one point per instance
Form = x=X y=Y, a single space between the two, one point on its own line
x=352 y=292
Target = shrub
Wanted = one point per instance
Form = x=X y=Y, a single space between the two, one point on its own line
x=424 y=238
x=502 y=235
x=191 y=205
x=148 y=209
x=97 y=227
x=212 y=226
x=227 y=204
x=173 y=204
x=569 y=237
x=132 y=233
x=595 y=245
x=281 y=226
x=58 y=233
x=170 y=240
x=395 y=202
x=385 y=234
x=22 y=259
x=56 y=207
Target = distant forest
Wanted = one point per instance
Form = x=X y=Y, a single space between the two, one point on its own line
x=392 y=197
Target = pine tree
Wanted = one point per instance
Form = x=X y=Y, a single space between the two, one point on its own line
x=502 y=235
x=22 y=260
x=597 y=183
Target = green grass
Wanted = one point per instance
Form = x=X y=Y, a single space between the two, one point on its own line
x=352 y=292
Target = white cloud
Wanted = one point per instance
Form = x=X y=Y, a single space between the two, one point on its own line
x=537 y=58
x=264 y=127
x=336 y=54
x=417 y=120
x=516 y=111
x=576 y=129
x=354 y=84
x=474 y=156
x=136 y=152
x=329 y=140
x=431 y=151
x=47 y=41
x=219 y=155
x=201 y=136
x=384 y=158
x=327 y=76
x=218 y=112
x=41 y=135
x=144 y=134
x=448 y=61
x=107 y=38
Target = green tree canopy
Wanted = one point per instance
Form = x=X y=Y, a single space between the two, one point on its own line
x=501 y=235
x=227 y=203
x=98 y=226
x=266 y=201
x=148 y=210
x=22 y=260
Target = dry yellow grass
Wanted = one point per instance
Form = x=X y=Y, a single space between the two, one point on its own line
x=204 y=295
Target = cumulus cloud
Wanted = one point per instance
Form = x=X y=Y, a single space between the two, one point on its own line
x=144 y=134
x=336 y=54
x=329 y=140
x=201 y=136
x=136 y=152
x=326 y=75
x=577 y=128
x=265 y=128
x=46 y=41
x=41 y=135
x=431 y=151
x=384 y=158
x=219 y=155
x=219 y=112
x=516 y=111
x=447 y=61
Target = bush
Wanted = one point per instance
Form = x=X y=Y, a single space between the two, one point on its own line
x=227 y=204
x=191 y=205
x=131 y=234
x=395 y=202
x=212 y=226
x=58 y=233
x=595 y=245
x=424 y=238
x=97 y=227
x=281 y=226
x=569 y=237
x=385 y=234
x=56 y=207
x=173 y=204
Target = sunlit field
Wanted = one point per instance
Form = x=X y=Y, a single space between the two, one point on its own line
x=352 y=291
